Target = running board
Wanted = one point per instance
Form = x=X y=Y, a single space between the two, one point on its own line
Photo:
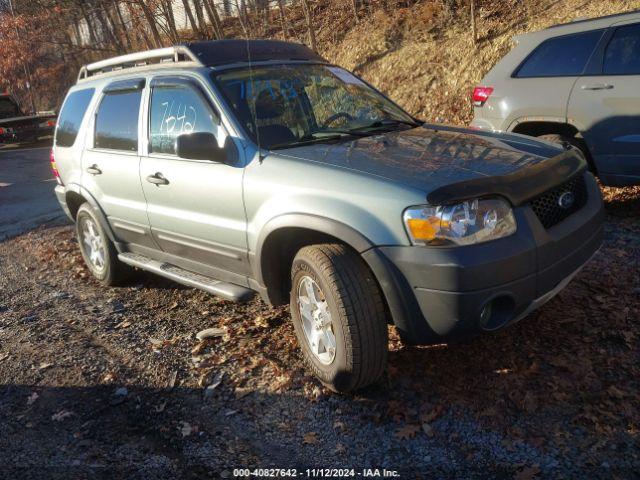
x=222 y=289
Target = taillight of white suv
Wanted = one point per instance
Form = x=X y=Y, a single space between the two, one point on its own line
x=481 y=95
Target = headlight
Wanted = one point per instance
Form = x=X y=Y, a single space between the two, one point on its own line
x=473 y=221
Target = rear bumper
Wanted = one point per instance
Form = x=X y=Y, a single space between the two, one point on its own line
x=61 y=195
x=437 y=294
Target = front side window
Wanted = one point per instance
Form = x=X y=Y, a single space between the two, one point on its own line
x=71 y=116
x=177 y=109
x=117 y=121
x=282 y=105
x=622 y=56
x=560 y=56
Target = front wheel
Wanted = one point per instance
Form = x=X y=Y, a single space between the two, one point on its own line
x=339 y=316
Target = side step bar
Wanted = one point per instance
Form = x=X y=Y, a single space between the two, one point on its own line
x=222 y=289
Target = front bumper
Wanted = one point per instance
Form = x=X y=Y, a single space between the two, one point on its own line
x=437 y=294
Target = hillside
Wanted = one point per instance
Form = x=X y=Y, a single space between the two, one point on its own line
x=423 y=56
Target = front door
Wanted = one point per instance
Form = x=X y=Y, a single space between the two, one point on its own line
x=607 y=108
x=195 y=207
x=111 y=162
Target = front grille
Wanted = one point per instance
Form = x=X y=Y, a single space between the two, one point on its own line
x=547 y=206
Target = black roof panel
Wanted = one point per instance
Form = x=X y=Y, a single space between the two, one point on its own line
x=224 y=52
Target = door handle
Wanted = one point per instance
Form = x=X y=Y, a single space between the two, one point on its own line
x=597 y=86
x=157 y=179
x=94 y=170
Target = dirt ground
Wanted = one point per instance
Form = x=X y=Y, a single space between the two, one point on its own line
x=110 y=382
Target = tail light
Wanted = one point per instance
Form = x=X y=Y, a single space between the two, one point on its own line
x=54 y=168
x=481 y=95
x=47 y=124
x=1 y=131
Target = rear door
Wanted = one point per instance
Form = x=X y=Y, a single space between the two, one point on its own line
x=539 y=88
x=606 y=106
x=195 y=207
x=111 y=163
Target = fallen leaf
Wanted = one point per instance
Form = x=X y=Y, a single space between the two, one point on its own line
x=160 y=407
x=45 y=365
x=61 y=415
x=407 y=432
x=217 y=380
x=173 y=306
x=156 y=342
x=242 y=392
x=615 y=392
x=172 y=380
x=4 y=357
x=428 y=429
x=185 y=429
x=124 y=324
x=527 y=473
x=310 y=438
x=32 y=398
x=210 y=333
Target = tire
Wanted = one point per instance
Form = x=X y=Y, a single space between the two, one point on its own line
x=345 y=288
x=104 y=265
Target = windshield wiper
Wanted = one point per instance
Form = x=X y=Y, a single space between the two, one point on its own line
x=307 y=141
x=364 y=130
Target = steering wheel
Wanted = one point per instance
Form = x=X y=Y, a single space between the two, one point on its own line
x=335 y=117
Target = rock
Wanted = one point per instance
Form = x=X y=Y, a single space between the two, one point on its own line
x=210 y=333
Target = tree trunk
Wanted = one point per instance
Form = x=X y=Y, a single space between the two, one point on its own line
x=202 y=25
x=167 y=8
x=308 y=15
x=474 y=32
x=123 y=25
x=283 y=20
x=212 y=12
x=192 y=20
x=151 y=21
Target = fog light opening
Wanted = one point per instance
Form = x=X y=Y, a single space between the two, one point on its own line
x=496 y=313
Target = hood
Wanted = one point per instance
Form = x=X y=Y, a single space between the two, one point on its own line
x=430 y=157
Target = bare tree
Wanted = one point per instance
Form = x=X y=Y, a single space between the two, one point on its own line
x=192 y=20
x=308 y=15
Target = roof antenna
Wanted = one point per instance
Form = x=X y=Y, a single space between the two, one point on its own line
x=252 y=104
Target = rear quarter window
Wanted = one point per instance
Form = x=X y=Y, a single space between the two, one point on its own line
x=560 y=56
x=71 y=116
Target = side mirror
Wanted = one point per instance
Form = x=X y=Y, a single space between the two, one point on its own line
x=200 y=146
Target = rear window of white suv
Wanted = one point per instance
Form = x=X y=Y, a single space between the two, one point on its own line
x=565 y=56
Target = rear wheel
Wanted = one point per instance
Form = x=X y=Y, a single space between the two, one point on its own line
x=97 y=250
x=339 y=316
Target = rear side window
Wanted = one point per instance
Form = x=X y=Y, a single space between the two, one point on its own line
x=117 y=121
x=622 y=56
x=177 y=109
x=560 y=56
x=71 y=116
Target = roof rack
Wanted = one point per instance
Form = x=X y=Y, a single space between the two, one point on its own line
x=178 y=53
x=582 y=20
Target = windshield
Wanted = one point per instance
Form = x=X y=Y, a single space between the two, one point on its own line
x=285 y=105
x=8 y=108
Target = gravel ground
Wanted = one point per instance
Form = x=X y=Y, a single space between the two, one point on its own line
x=110 y=382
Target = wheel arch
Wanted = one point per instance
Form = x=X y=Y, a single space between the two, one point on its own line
x=75 y=196
x=280 y=240
x=536 y=128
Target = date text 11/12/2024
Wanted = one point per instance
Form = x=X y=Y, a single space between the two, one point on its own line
x=315 y=473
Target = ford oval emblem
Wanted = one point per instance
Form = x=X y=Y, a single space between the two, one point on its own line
x=566 y=200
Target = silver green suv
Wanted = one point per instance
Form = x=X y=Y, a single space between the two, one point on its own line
x=577 y=84
x=241 y=167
